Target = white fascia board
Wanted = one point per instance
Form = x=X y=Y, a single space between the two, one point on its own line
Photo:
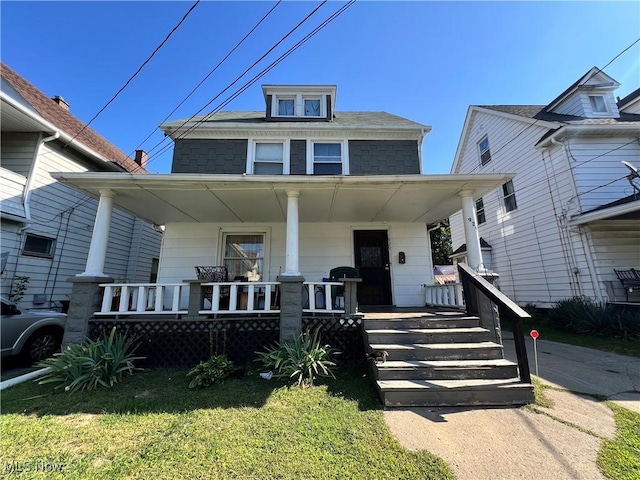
x=574 y=130
x=51 y=128
x=605 y=213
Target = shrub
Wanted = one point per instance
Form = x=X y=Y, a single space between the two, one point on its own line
x=303 y=360
x=579 y=315
x=214 y=370
x=103 y=362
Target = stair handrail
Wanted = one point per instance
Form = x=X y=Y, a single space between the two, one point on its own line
x=507 y=308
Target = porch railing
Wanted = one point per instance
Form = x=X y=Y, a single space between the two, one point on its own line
x=447 y=295
x=217 y=298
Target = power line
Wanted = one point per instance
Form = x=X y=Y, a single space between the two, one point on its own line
x=243 y=73
x=211 y=72
x=137 y=71
x=250 y=82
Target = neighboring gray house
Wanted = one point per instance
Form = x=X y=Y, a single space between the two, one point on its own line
x=47 y=226
x=571 y=215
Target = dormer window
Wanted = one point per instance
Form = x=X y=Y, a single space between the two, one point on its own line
x=291 y=103
x=300 y=106
x=598 y=104
x=286 y=107
x=312 y=107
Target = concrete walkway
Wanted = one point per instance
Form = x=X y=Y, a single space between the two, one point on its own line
x=560 y=442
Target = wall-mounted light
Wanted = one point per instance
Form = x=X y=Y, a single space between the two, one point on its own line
x=402 y=259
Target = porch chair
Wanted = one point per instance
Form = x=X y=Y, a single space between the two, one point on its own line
x=214 y=274
x=335 y=275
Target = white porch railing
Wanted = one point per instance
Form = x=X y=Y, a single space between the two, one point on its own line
x=321 y=299
x=142 y=298
x=448 y=295
x=219 y=298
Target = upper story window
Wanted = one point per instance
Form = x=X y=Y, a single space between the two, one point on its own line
x=268 y=157
x=312 y=107
x=485 y=153
x=509 y=196
x=299 y=102
x=38 y=246
x=480 y=211
x=327 y=157
x=598 y=104
x=286 y=107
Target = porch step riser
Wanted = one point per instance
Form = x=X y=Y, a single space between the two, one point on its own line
x=419 y=323
x=408 y=337
x=454 y=398
x=484 y=353
x=445 y=373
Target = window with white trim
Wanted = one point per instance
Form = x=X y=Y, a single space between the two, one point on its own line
x=509 y=196
x=286 y=107
x=312 y=107
x=38 y=246
x=243 y=255
x=480 y=211
x=268 y=157
x=299 y=105
x=598 y=104
x=327 y=157
x=485 y=153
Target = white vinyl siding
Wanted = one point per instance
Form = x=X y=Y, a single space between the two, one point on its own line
x=323 y=246
x=17 y=151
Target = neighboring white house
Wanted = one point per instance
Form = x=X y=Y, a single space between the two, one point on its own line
x=295 y=190
x=47 y=226
x=571 y=215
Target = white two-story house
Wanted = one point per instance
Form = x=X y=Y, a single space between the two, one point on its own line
x=47 y=226
x=571 y=214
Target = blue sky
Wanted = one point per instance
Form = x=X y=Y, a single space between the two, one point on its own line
x=426 y=61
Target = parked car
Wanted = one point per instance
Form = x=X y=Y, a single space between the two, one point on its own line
x=31 y=334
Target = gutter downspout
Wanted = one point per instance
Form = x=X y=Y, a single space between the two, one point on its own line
x=28 y=187
x=420 y=140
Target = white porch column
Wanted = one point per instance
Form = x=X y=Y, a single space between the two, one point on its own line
x=292 y=253
x=100 y=236
x=471 y=236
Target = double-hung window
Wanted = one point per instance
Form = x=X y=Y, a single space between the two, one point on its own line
x=480 y=211
x=327 y=158
x=509 y=196
x=485 y=152
x=268 y=157
x=244 y=255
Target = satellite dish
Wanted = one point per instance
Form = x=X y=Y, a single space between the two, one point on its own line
x=633 y=176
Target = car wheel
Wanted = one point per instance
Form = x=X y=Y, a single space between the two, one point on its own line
x=41 y=346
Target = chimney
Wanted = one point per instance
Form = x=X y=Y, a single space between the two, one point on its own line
x=60 y=101
x=141 y=158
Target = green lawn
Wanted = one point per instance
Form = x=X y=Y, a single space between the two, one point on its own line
x=154 y=427
x=619 y=458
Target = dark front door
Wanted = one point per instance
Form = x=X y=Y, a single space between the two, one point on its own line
x=372 y=260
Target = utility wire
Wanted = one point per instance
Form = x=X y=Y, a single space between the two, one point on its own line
x=210 y=73
x=136 y=72
x=250 y=82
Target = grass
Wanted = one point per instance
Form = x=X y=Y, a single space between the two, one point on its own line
x=619 y=458
x=153 y=426
x=623 y=346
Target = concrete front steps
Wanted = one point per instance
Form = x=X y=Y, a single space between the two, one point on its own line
x=442 y=360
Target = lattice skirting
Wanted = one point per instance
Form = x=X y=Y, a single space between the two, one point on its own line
x=184 y=343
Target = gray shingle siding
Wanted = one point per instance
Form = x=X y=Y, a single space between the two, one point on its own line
x=383 y=157
x=298 y=157
x=209 y=156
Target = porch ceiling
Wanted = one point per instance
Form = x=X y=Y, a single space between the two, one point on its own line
x=167 y=198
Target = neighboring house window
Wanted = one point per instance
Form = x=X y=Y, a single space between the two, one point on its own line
x=268 y=158
x=480 y=211
x=286 y=107
x=327 y=158
x=38 y=246
x=153 y=276
x=312 y=107
x=598 y=103
x=485 y=153
x=244 y=255
x=509 y=196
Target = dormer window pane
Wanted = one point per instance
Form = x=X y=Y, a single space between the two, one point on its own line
x=312 y=108
x=598 y=105
x=286 y=107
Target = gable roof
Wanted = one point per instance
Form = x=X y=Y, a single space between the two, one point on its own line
x=632 y=97
x=63 y=120
x=582 y=81
x=540 y=112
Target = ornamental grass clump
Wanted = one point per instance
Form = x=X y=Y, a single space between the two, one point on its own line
x=303 y=360
x=97 y=363
x=584 y=316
